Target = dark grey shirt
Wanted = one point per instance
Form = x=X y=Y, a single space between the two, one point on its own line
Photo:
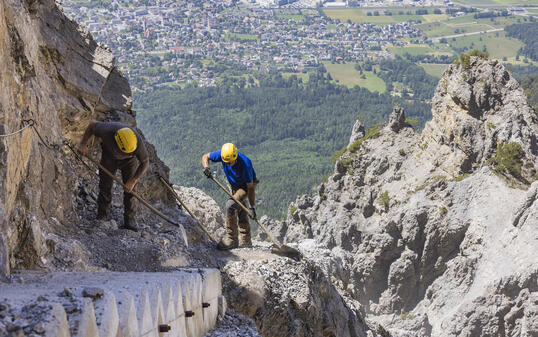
x=107 y=130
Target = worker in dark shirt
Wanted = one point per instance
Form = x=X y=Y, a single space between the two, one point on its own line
x=242 y=178
x=122 y=148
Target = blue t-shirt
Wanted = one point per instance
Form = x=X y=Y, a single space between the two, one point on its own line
x=241 y=173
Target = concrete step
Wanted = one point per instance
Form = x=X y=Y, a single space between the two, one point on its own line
x=182 y=303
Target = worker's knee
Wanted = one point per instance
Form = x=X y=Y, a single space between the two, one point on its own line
x=231 y=207
x=243 y=217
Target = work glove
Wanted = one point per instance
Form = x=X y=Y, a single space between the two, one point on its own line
x=253 y=212
x=82 y=149
x=207 y=172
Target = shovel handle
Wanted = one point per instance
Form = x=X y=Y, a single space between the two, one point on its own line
x=186 y=208
x=246 y=210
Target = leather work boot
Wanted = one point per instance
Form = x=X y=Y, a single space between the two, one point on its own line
x=102 y=213
x=244 y=235
x=130 y=224
x=229 y=241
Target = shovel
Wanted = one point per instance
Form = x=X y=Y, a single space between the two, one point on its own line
x=280 y=249
x=144 y=202
x=185 y=207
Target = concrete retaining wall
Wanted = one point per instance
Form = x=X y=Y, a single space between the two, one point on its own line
x=178 y=304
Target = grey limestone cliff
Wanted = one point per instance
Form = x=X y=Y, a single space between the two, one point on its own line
x=430 y=233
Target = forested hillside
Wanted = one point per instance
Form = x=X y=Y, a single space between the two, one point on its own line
x=290 y=129
x=530 y=84
x=526 y=32
x=418 y=84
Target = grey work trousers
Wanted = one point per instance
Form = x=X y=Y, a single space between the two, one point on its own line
x=128 y=169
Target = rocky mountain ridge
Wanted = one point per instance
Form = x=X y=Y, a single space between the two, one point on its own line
x=434 y=234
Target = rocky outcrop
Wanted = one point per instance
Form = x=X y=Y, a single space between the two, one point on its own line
x=289 y=298
x=429 y=233
x=397 y=119
x=204 y=208
x=509 y=307
x=357 y=132
x=476 y=107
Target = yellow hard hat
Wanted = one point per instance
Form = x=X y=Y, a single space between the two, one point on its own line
x=126 y=140
x=228 y=152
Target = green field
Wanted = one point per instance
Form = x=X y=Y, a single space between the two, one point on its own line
x=441 y=51
x=497 y=46
x=302 y=76
x=347 y=75
x=476 y=2
x=296 y=17
x=242 y=37
x=361 y=16
x=412 y=49
x=517 y=2
x=331 y=27
x=497 y=2
x=466 y=24
x=353 y=14
x=435 y=70
x=439 y=29
x=497 y=22
x=434 y=17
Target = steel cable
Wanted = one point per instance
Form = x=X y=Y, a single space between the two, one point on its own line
x=30 y=123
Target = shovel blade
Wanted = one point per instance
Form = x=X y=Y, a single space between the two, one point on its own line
x=184 y=235
x=287 y=251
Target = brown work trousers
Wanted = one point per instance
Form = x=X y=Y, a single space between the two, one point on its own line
x=128 y=169
x=232 y=208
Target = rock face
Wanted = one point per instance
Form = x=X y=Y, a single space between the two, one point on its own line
x=429 y=234
x=475 y=108
x=289 y=298
x=204 y=208
x=357 y=132
x=55 y=74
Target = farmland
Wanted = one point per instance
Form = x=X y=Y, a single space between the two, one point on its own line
x=450 y=36
x=496 y=3
x=382 y=16
x=347 y=75
x=435 y=70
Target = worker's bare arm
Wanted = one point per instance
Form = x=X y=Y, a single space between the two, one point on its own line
x=83 y=146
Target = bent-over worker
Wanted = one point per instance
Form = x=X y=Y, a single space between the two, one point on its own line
x=242 y=178
x=122 y=148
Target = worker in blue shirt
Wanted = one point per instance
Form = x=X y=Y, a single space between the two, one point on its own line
x=242 y=178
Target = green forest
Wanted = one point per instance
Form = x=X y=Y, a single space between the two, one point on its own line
x=530 y=85
x=289 y=128
x=525 y=32
x=420 y=85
